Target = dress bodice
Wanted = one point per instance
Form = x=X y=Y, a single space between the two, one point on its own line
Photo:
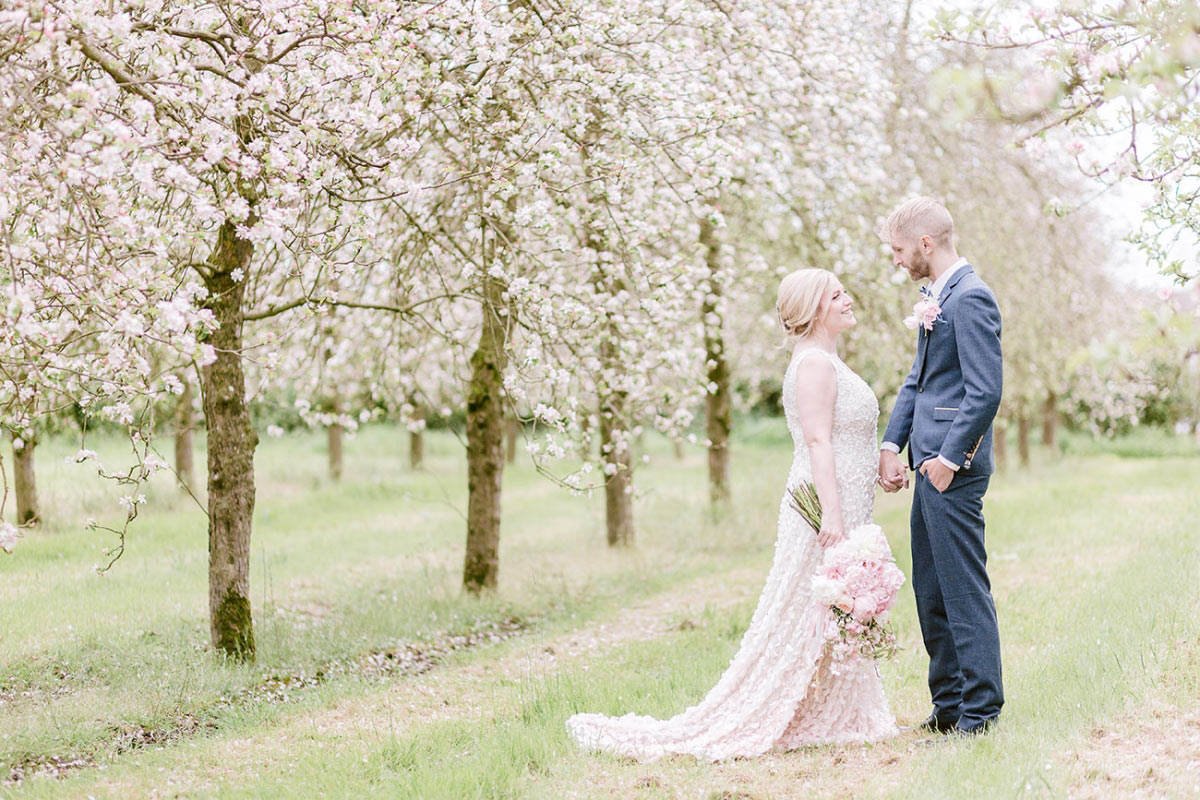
x=855 y=428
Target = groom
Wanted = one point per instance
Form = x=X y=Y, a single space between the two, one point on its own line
x=944 y=415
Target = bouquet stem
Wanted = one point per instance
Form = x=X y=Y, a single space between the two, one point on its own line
x=806 y=503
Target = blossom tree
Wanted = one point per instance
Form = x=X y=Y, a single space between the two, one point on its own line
x=1114 y=84
x=87 y=304
x=799 y=174
x=1022 y=218
x=189 y=161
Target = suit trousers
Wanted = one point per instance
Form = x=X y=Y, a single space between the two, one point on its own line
x=954 y=601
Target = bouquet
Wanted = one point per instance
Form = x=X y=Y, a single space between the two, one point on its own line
x=857 y=581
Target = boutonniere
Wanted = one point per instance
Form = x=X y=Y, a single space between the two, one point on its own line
x=925 y=312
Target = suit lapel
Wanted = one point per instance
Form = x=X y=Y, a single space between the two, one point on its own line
x=923 y=353
x=954 y=279
x=923 y=347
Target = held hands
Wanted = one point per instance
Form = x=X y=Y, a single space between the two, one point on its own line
x=893 y=475
x=938 y=473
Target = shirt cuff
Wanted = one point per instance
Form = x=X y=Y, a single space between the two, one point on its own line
x=890 y=446
x=948 y=462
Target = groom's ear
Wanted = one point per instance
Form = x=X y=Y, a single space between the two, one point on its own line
x=926 y=243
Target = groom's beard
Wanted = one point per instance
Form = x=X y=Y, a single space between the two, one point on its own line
x=918 y=267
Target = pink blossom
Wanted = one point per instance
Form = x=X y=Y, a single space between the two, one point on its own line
x=864 y=608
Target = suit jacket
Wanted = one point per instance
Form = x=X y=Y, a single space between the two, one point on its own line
x=949 y=399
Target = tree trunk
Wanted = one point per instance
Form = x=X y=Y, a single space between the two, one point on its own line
x=231 y=443
x=185 y=422
x=336 y=435
x=1050 y=420
x=416 y=438
x=416 y=449
x=1000 y=444
x=716 y=401
x=331 y=402
x=618 y=488
x=485 y=444
x=613 y=406
x=677 y=447
x=1023 y=426
x=25 y=482
x=514 y=435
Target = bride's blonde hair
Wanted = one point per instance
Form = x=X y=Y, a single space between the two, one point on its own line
x=799 y=302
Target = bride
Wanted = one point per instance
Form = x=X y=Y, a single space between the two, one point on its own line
x=781 y=691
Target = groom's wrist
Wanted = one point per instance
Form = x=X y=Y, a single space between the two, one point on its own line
x=892 y=446
x=948 y=462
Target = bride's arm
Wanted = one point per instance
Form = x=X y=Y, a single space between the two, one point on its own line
x=816 y=395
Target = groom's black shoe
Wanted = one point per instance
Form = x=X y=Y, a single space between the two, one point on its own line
x=984 y=727
x=934 y=725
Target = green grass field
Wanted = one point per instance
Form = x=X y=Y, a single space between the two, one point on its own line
x=376 y=676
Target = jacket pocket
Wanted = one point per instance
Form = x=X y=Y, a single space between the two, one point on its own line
x=942 y=413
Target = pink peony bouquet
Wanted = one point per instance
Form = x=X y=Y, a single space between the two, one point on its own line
x=857 y=581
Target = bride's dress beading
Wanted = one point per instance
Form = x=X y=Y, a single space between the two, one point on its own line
x=780 y=691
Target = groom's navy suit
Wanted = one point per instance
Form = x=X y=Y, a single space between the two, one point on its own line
x=945 y=408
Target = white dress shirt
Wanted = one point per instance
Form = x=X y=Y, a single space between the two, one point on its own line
x=935 y=288
x=935 y=291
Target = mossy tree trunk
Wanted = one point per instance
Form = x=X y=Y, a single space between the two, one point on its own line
x=718 y=408
x=1050 y=420
x=331 y=400
x=485 y=442
x=416 y=441
x=612 y=401
x=615 y=445
x=1023 y=427
x=1000 y=444
x=336 y=435
x=231 y=443
x=25 y=482
x=185 y=424
x=514 y=436
x=617 y=454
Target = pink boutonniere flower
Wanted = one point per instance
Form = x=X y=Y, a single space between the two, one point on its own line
x=925 y=313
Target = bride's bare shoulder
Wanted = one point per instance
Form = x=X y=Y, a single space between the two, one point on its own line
x=814 y=371
x=823 y=363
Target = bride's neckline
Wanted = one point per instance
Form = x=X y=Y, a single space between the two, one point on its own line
x=798 y=350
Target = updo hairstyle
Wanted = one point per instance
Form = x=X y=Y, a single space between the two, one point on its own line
x=799 y=302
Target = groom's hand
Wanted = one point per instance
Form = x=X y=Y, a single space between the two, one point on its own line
x=892 y=474
x=938 y=473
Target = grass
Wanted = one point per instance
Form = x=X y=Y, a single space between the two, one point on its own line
x=1141 y=442
x=1093 y=564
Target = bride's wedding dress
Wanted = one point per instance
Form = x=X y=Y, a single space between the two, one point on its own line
x=780 y=691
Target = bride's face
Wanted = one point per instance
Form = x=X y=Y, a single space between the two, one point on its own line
x=839 y=310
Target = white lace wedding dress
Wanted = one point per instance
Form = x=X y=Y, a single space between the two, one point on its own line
x=780 y=692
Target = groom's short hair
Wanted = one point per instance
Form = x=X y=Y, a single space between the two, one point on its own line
x=917 y=217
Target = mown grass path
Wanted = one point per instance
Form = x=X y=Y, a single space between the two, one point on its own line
x=1093 y=562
